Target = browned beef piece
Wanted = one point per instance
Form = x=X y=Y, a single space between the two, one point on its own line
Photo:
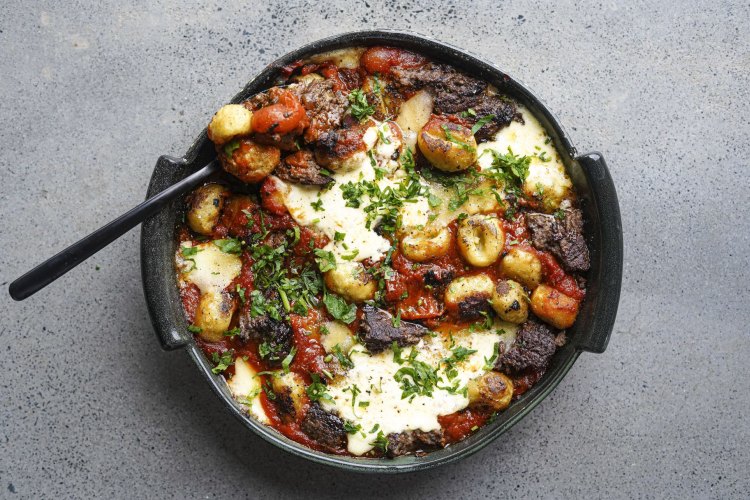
x=301 y=168
x=502 y=109
x=274 y=336
x=377 y=333
x=285 y=406
x=325 y=428
x=324 y=106
x=532 y=349
x=563 y=238
x=454 y=91
x=474 y=308
x=436 y=276
x=338 y=145
x=417 y=442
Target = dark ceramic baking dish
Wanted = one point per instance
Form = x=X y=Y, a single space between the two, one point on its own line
x=602 y=228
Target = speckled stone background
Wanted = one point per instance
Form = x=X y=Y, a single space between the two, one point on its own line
x=92 y=92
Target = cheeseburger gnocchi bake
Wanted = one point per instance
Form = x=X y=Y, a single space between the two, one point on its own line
x=391 y=258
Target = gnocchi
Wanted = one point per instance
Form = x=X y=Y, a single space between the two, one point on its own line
x=230 y=121
x=510 y=302
x=448 y=146
x=205 y=208
x=214 y=315
x=351 y=281
x=493 y=390
x=522 y=266
x=481 y=239
x=420 y=246
x=554 y=307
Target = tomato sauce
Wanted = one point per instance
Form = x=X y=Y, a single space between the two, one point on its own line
x=310 y=352
x=557 y=278
x=457 y=426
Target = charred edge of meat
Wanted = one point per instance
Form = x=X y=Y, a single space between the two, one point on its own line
x=563 y=238
x=416 y=442
x=532 y=349
x=378 y=333
x=474 y=308
x=502 y=109
x=324 y=428
x=277 y=336
x=325 y=107
x=437 y=277
x=340 y=144
x=454 y=91
x=301 y=168
x=285 y=405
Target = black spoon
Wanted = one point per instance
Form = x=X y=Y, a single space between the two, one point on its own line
x=54 y=267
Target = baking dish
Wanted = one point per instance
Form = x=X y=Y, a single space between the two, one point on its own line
x=602 y=228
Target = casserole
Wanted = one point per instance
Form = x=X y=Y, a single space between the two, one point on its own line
x=602 y=228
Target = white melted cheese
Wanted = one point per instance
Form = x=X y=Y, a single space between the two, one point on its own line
x=374 y=374
x=336 y=217
x=547 y=178
x=245 y=387
x=210 y=269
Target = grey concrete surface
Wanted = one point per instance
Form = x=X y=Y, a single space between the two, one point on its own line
x=92 y=92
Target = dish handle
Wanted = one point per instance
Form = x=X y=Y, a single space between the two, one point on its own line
x=607 y=262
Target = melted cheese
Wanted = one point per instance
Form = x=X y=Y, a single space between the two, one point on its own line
x=210 y=269
x=336 y=333
x=336 y=217
x=245 y=386
x=545 y=178
x=374 y=374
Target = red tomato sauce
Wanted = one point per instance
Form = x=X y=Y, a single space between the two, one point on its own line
x=457 y=426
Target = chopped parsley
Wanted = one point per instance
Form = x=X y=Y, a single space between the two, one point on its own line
x=229 y=245
x=481 y=123
x=381 y=442
x=190 y=251
x=194 y=329
x=458 y=354
x=350 y=256
x=385 y=202
x=317 y=390
x=396 y=320
x=240 y=293
x=397 y=350
x=355 y=392
x=509 y=169
x=338 y=308
x=232 y=333
x=270 y=351
x=222 y=362
x=418 y=378
x=325 y=259
x=489 y=363
x=351 y=428
x=358 y=105
x=455 y=140
x=317 y=205
x=231 y=146
x=344 y=360
x=288 y=359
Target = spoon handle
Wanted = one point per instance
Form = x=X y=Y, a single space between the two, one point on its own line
x=54 y=267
